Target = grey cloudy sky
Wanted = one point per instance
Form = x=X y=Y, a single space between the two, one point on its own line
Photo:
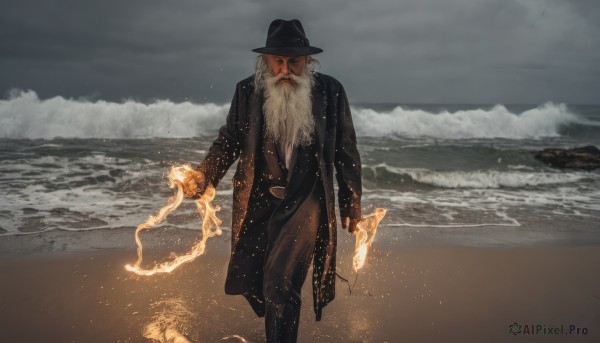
x=401 y=51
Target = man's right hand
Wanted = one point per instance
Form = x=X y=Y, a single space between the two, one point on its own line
x=194 y=184
x=350 y=224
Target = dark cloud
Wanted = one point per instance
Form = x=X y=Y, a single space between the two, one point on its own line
x=445 y=51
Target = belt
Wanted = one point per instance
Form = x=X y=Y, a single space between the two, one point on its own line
x=277 y=191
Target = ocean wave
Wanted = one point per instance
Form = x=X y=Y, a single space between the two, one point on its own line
x=497 y=122
x=25 y=115
x=480 y=179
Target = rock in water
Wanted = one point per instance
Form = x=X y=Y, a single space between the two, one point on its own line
x=587 y=158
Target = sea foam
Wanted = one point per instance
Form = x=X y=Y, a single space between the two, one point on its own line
x=25 y=115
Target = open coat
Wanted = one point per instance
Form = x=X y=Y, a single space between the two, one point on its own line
x=335 y=145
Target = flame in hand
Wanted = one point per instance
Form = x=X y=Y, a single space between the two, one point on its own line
x=365 y=233
x=210 y=224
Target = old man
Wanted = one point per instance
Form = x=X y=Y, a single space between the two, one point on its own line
x=289 y=126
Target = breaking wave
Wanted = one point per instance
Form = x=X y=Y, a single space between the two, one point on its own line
x=25 y=115
x=477 y=179
x=497 y=122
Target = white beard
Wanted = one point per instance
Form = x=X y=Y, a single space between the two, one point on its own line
x=287 y=107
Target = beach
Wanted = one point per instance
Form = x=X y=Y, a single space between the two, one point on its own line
x=481 y=242
x=405 y=293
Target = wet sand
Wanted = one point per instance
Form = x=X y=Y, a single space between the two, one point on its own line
x=403 y=294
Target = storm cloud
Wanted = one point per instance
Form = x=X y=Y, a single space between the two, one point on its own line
x=412 y=51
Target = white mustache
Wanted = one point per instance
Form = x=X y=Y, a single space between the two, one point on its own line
x=289 y=76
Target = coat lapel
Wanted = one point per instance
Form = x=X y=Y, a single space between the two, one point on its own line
x=318 y=109
x=256 y=129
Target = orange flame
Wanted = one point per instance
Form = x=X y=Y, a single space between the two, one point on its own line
x=210 y=224
x=365 y=233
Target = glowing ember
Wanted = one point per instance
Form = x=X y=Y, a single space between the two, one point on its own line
x=365 y=233
x=210 y=224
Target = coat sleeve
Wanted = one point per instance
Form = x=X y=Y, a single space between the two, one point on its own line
x=347 y=161
x=226 y=148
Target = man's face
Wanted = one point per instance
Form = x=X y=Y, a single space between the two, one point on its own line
x=286 y=65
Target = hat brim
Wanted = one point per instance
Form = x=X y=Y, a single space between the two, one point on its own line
x=291 y=51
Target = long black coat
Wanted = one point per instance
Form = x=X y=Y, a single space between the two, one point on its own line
x=335 y=145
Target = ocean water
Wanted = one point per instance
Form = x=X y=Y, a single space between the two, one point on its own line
x=75 y=165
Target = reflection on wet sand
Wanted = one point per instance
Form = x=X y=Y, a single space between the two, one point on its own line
x=234 y=338
x=171 y=319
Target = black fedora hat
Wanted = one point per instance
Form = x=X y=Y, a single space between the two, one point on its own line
x=287 y=38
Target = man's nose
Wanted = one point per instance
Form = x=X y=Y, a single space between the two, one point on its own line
x=284 y=68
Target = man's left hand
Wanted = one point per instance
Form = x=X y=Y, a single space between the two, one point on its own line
x=350 y=224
